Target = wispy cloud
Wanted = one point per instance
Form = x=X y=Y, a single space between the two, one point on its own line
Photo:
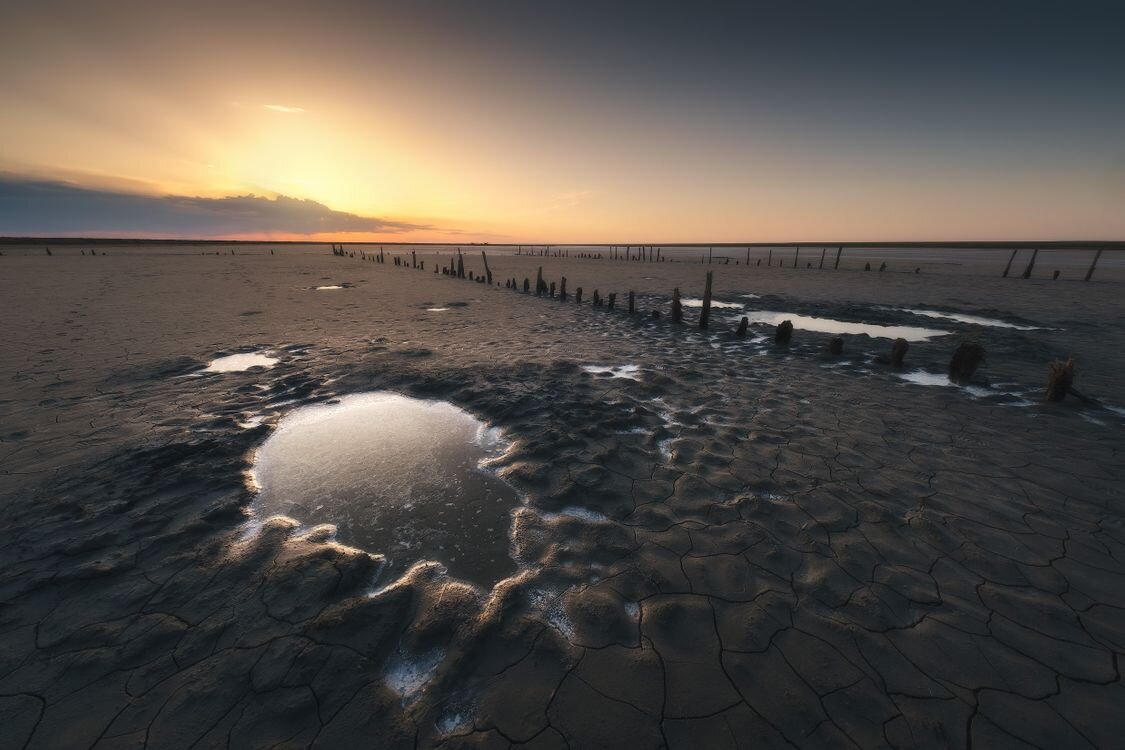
x=37 y=207
x=283 y=108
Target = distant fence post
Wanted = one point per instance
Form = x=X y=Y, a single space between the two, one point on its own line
x=1093 y=264
x=1031 y=264
x=823 y=251
x=1008 y=267
x=705 y=315
x=487 y=271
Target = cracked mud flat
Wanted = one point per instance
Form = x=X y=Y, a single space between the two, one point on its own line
x=740 y=547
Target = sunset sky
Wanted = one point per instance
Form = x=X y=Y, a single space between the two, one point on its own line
x=563 y=122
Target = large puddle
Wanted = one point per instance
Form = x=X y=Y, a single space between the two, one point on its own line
x=240 y=362
x=830 y=325
x=397 y=476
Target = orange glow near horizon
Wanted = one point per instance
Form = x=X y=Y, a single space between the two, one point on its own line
x=441 y=137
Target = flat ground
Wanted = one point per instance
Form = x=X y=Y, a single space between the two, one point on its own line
x=746 y=546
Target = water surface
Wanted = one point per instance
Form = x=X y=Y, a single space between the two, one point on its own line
x=398 y=476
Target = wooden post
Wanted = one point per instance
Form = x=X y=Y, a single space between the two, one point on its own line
x=898 y=351
x=562 y=290
x=710 y=250
x=552 y=290
x=705 y=314
x=1093 y=265
x=460 y=265
x=487 y=270
x=632 y=299
x=539 y=285
x=1031 y=264
x=796 y=256
x=526 y=285
x=784 y=332
x=742 y=326
x=612 y=300
x=822 y=253
x=839 y=251
x=769 y=260
x=677 y=307
x=1008 y=267
x=836 y=346
x=597 y=299
x=747 y=256
x=413 y=259
x=578 y=296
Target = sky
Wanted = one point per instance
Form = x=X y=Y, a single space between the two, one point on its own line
x=555 y=122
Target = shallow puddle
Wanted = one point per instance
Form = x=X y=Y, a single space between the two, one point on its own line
x=831 y=325
x=631 y=372
x=696 y=302
x=398 y=476
x=436 y=309
x=240 y=362
x=329 y=286
x=966 y=318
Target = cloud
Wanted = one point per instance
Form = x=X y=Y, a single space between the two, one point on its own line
x=283 y=108
x=42 y=207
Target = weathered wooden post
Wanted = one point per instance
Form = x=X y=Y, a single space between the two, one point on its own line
x=966 y=358
x=677 y=307
x=882 y=266
x=1060 y=379
x=421 y=265
x=413 y=259
x=487 y=270
x=1031 y=264
x=705 y=314
x=866 y=266
x=460 y=264
x=839 y=251
x=710 y=251
x=1093 y=264
x=562 y=290
x=1055 y=275
x=836 y=346
x=578 y=296
x=612 y=303
x=597 y=299
x=632 y=299
x=823 y=251
x=526 y=285
x=898 y=351
x=747 y=256
x=540 y=287
x=769 y=258
x=742 y=326
x=784 y=332
x=552 y=290
x=1008 y=267
x=796 y=256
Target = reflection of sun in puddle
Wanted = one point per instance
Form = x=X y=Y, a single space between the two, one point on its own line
x=830 y=325
x=436 y=309
x=329 y=286
x=395 y=475
x=240 y=362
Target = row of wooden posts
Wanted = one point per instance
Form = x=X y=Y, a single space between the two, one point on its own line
x=963 y=364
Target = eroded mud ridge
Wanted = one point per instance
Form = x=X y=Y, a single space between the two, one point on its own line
x=726 y=548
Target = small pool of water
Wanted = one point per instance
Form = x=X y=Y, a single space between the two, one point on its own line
x=831 y=325
x=396 y=475
x=697 y=302
x=240 y=362
x=436 y=309
x=631 y=372
x=966 y=318
x=329 y=286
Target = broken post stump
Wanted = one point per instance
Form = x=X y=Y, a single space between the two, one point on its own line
x=898 y=352
x=1055 y=277
x=540 y=287
x=882 y=266
x=612 y=300
x=966 y=358
x=836 y=346
x=552 y=290
x=526 y=285
x=677 y=306
x=562 y=290
x=784 y=332
x=597 y=299
x=705 y=314
x=578 y=296
x=742 y=326
x=1060 y=379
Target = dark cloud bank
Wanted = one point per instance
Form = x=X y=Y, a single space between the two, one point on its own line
x=41 y=207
